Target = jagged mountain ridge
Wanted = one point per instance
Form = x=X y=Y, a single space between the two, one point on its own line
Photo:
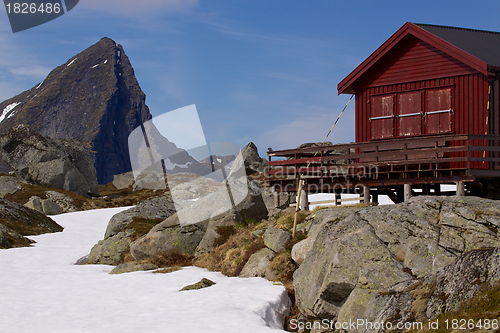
x=94 y=97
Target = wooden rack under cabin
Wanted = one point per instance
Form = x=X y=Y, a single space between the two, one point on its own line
x=389 y=167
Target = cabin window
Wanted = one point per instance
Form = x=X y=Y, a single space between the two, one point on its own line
x=382 y=117
x=409 y=120
x=438 y=115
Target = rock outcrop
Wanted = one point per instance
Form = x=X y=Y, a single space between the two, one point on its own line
x=126 y=226
x=94 y=97
x=367 y=263
x=49 y=162
x=253 y=162
x=17 y=221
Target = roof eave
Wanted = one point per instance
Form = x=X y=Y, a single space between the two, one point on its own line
x=346 y=86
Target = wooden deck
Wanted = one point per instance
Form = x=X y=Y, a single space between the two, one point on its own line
x=386 y=164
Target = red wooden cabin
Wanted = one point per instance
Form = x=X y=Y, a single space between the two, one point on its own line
x=427 y=112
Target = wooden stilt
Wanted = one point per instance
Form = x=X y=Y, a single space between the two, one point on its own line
x=460 y=188
x=338 y=197
x=366 y=195
x=276 y=199
x=304 y=201
x=407 y=192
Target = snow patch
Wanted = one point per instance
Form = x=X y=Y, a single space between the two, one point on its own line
x=72 y=61
x=38 y=86
x=219 y=160
x=7 y=109
x=95 y=66
x=44 y=292
x=171 y=166
x=106 y=61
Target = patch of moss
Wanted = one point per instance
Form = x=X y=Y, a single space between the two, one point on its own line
x=204 y=283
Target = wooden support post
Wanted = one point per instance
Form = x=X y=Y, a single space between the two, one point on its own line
x=407 y=192
x=366 y=195
x=304 y=201
x=276 y=199
x=375 y=198
x=460 y=188
x=338 y=197
x=437 y=189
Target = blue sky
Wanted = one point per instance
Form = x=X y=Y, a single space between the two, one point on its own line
x=261 y=71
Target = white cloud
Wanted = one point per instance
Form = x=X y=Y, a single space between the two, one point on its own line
x=133 y=7
x=33 y=71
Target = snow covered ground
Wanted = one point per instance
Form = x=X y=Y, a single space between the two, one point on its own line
x=41 y=290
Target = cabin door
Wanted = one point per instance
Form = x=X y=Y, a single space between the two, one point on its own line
x=382 y=117
x=438 y=112
x=410 y=114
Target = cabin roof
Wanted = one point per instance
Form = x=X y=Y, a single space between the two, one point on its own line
x=479 y=49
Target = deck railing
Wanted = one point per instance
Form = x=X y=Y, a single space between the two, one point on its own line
x=433 y=159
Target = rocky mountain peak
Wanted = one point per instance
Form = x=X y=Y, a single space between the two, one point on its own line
x=93 y=97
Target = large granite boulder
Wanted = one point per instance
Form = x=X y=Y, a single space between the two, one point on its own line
x=49 y=162
x=128 y=225
x=150 y=209
x=358 y=261
x=17 y=221
x=9 y=185
x=169 y=236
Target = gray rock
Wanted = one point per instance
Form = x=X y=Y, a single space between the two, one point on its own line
x=62 y=200
x=258 y=265
x=276 y=239
x=10 y=238
x=207 y=242
x=359 y=263
x=9 y=185
x=132 y=267
x=253 y=162
x=300 y=250
x=351 y=266
x=124 y=180
x=149 y=209
x=50 y=207
x=110 y=250
x=169 y=236
x=245 y=194
x=49 y=162
x=83 y=260
x=35 y=203
x=19 y=220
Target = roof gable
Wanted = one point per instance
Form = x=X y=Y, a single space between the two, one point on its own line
x=484 y=45
x=347 y=85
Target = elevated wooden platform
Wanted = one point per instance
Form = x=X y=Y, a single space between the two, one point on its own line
x=387 y=165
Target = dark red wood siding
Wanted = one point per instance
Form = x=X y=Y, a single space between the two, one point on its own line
x=469 y=102
x=415 y=60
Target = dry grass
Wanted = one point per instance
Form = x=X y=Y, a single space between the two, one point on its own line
x=230 y=256
x=109 y=196
x=285 y=219
x=170 y=259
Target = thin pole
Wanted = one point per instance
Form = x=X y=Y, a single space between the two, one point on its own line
x=308 y=164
